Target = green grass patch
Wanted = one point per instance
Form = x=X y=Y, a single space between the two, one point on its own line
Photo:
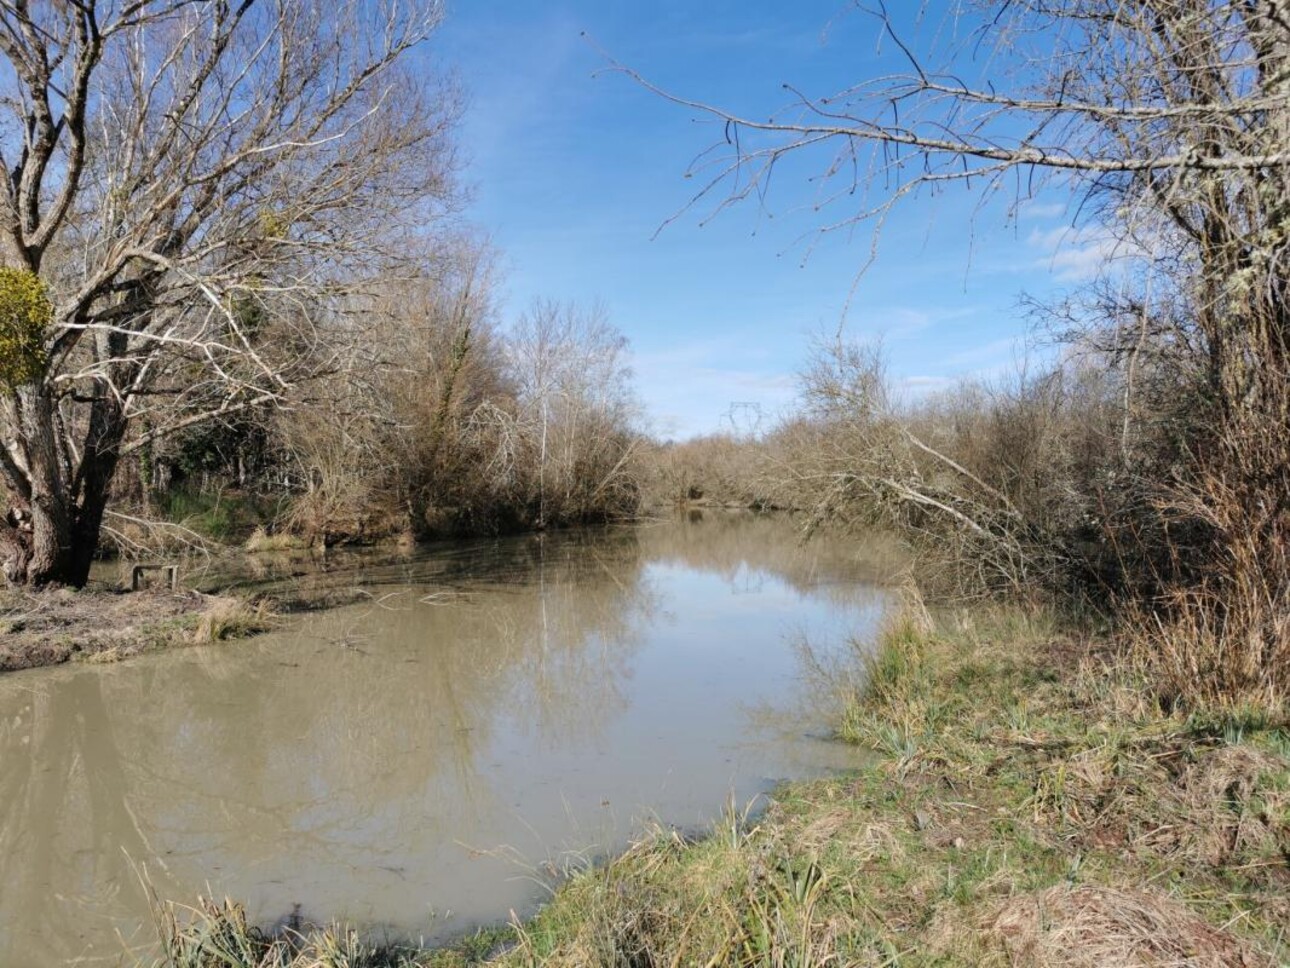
x=224 y=516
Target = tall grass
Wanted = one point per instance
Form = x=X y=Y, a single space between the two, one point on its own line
x=216 y=934
x=232 y=618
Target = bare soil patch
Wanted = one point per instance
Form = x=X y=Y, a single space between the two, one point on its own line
x=48 y=627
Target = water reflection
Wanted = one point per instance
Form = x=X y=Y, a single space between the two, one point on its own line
x=390 y=762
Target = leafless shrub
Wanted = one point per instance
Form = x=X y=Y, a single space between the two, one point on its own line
x=987 y=483
x=445 y=425
x=716 y=469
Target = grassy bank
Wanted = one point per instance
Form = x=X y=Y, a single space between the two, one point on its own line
x=1029 y=804
x=53 y=626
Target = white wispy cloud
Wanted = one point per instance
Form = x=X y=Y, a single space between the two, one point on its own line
x=1043 y=210
x=700 y=386
x=894 y=323
x=1076 y=254
x=994 y=353
x=922 y=385
x=992 y=360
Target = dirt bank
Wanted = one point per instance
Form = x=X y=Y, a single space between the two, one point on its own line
x=40 y=628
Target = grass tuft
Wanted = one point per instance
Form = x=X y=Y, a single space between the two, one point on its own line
x=262 y=541
x=232 y=618
x=216 y=934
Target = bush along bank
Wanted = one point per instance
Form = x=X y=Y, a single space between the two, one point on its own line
x=1029 y=803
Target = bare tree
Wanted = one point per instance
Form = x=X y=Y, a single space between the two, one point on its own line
x=386 y=447
x=1171 y=116
x=1169 y=122
x=190 y=192
x=575 y=410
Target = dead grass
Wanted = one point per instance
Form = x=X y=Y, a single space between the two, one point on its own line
x=232 y=618
x=1102 y=927
x=61 y=625
x=1221 y=650
x=262 y=541
x=216 y=934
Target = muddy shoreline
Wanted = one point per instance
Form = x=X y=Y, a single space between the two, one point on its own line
x=53 y=626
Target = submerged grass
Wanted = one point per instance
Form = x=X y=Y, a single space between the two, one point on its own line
x=1031 y=803
x=262 y=541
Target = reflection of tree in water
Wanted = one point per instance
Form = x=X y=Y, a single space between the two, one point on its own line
x=67 y=821
x=740 y=545
x=572 y=650
x=339 y=741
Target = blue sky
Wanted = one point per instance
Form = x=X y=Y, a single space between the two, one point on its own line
x=576 y=168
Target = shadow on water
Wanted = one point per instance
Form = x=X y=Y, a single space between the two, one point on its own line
x=407 y=761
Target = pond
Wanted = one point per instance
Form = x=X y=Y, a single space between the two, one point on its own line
x=490 y=715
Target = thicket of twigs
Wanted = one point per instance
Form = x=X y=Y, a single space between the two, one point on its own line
x=435 y=423
x=456 y=427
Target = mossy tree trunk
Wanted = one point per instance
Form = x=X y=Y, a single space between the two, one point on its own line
x=46 y=521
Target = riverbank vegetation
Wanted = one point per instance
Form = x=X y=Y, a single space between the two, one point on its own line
x=1089 y=765
x=1030 y=803
x=443 y=426
x=1142 y=469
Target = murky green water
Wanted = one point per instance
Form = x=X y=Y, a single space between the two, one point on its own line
x=425 y=761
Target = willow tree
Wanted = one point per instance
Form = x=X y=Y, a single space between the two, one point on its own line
x=1169 y=122
x=190 y=191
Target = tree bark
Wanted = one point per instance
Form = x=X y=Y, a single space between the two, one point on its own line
x=49 y=540
x=51 y=537
x=98 y=465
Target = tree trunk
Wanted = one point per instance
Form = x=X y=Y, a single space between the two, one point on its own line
x=98 y=465
x=15 y=547
x=48 y=516
x=50 y=537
